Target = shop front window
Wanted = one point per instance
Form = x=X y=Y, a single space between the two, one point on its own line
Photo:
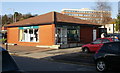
x=73 y=35
x=29 y=35
x=67 y=34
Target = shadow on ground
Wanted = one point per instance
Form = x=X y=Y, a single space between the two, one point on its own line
x=79 y=57
x=31 y=65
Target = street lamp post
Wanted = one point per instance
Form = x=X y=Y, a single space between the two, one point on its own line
x=6 y=46
x=14 y=16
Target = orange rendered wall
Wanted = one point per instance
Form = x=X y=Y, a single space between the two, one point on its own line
x=12 y=35
x=46 y=36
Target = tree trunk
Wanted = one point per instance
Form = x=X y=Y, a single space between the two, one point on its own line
x=119 y=28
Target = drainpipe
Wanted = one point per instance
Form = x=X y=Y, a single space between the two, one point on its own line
x=6 y=46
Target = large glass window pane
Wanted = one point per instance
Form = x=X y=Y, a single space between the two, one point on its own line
x=30 y=31
x=25 y=31
x=36 y=35
x=73 y=35
x=28 y=35
x=31 y=35
x=21 y=35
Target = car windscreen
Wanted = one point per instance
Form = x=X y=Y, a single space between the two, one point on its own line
x=8 y=64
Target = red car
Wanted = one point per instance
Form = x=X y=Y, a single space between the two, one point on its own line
x=95 y=45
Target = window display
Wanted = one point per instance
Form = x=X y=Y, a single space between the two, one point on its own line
x=67 y=34
x=29 y=35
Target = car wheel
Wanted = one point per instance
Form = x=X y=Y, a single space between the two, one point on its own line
x=85 y=50
x=101 y=66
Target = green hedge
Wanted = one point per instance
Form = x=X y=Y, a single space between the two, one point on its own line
x=3 y=40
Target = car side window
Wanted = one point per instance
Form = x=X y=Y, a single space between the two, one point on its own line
x=114 y=47
x=105 y=40
x=97 y=41
x=103 y=48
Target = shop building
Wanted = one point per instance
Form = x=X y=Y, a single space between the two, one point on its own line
x=53 y=29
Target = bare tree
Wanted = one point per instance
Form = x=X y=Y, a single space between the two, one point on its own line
x=103 y=11
x=118 y=17
x=118 y=23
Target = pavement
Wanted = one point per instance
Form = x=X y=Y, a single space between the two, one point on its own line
x=31 y=58
x=36 y=52
x=68 y=55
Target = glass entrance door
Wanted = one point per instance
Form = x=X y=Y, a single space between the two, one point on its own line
x=64 y=36
x=61 y=35
x=94 y=34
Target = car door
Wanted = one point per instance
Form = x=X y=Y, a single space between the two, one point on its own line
x=113 y=55
x=118 y=53
x=95 y=45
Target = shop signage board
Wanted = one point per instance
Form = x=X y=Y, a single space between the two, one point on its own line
x=29 y=27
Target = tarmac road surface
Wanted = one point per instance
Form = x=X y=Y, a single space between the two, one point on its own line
x=32 y=65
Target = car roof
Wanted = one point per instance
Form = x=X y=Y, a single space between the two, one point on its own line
x=112 y=42
x=105 y=38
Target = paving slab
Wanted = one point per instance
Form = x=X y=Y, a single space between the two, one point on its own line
x=36 y=52
x=49 y=53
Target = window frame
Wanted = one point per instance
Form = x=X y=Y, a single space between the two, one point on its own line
x=30 y=35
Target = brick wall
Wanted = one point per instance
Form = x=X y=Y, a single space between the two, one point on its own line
x=86 y=34
x=46 y=36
